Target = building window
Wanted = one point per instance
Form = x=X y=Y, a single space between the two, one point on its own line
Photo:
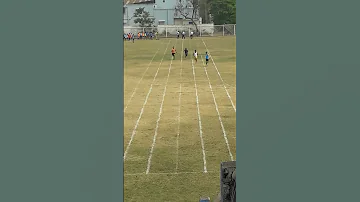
x=161 y=22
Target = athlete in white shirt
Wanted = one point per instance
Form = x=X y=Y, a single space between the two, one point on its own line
x=183 y=35
x=195 y=56
x=191 y=34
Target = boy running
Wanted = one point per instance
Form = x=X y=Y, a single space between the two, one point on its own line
x=173 y=51
x=186 y=52
x=191 y=34
x=183 y=35
x=195 y=56
x=207 y=58
x=178 y=34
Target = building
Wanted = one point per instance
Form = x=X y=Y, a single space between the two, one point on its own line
x=162 y=10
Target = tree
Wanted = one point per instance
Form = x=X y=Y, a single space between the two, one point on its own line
x=204 y=6
x=143 y=18
x=223 y=11
x=188 y=9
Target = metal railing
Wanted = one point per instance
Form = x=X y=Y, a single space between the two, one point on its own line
x=171 y=30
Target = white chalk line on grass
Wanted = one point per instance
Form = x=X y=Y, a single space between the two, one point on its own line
x=169 y=173
x=142 y=108
x=178 y=133
x=192 y=91
x=134 y=90
x=199 y=118
x=227 y=92
x=157 y=121
x=179 y=120
x=218 y=113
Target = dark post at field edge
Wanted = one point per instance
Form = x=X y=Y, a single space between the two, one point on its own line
x=228 y=181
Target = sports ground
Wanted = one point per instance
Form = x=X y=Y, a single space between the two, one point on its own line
x=179 y=118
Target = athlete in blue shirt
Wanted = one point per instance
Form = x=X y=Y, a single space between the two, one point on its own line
x=207 y=58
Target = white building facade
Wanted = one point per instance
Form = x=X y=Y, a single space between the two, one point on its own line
x=163 y=11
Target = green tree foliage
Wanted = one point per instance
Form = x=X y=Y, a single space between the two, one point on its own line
x=142 y=18
x=223 y=11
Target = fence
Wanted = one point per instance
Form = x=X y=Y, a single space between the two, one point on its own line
x=171 y=30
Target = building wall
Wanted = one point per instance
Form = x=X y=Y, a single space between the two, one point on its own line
x=162 y=10
x=165 y=10
x=167 y=15
x=166 y=4
x=178 y=21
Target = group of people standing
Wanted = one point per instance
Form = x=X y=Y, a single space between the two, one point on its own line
x=129 y=36
x=183 y=34
x=195 y=55
x=151 y=35
x=147 y=35
x=141 y=35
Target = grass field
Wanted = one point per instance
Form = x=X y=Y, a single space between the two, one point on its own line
x=179 y=118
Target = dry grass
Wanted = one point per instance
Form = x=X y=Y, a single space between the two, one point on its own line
x=176 y=164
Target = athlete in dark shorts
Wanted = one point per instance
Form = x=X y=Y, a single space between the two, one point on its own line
x=173 y=51
x=207 y=58
x=183 y=35
x=186 y=52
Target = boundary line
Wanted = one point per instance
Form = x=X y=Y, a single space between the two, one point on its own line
x=179 y=119
x=218 y=113
x=158 y=120
x=169 y=173
x=227 y=92
x=134 y=90
x=142 y=109
x=199 y=118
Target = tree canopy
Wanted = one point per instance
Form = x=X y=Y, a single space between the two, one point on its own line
x=223 y=11
x=142 y=18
